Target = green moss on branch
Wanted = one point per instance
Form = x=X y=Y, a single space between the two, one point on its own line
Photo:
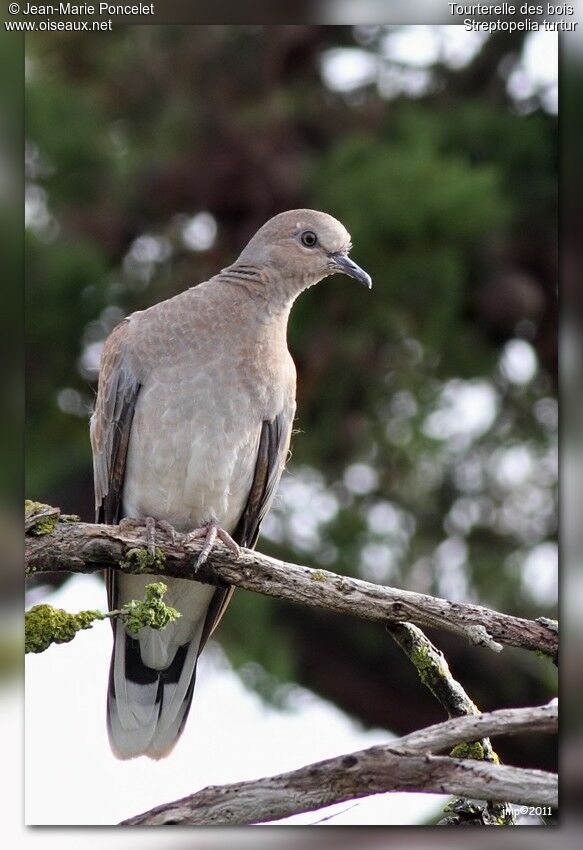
x=139 y=559
x=45 y=625
x=152 y=611
x=40 y=519
x=468 y=751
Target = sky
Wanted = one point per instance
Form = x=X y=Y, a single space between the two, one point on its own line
x=71 y=776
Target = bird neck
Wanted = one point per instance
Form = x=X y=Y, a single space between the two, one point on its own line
x=268 y=288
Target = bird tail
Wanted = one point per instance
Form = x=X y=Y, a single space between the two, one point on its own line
x=151 y=676
x=147 y=708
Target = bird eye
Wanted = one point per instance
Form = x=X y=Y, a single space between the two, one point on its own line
x=309 y=239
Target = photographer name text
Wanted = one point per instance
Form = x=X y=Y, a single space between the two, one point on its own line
x=88 y=9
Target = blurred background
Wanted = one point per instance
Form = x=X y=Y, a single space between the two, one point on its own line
x=426 y=452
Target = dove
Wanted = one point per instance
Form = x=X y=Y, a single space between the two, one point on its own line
x=191 y=429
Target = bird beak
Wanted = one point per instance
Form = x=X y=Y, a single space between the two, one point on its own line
x=343 y=264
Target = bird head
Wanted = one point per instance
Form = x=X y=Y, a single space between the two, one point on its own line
x=303 y=246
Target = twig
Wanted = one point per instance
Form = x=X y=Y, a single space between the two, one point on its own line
x=333 y=815
x=85 y=548
x=404 y=765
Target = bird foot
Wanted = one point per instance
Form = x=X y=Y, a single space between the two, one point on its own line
x=209 y=534
x=150 y=524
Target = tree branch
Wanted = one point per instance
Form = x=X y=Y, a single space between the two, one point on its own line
x=435 y=674
x=68 y=546
x=55 y=543
x=503 y=721
x=404 y=765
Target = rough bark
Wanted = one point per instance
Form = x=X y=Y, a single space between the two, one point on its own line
x=83 y=547
x=405 y=765
x=435 y=674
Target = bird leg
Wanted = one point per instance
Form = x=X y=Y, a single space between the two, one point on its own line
x=150 y=524
x=209 y=534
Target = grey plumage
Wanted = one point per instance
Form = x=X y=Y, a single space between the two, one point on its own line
x=192 y=425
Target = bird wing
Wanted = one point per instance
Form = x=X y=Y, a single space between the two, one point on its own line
x=110 y=430
x=271 y=457
x=272 y=453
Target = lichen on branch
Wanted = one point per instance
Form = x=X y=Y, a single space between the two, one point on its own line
x=41 y=519
x=45 y=625
x=152 y=611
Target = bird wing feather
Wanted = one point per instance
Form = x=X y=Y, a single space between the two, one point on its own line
x=272 y=453
x=110 y=431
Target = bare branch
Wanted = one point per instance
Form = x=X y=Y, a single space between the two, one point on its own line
x=435 y=674
x=85 y=548
x=404 y=765
x=503 y=721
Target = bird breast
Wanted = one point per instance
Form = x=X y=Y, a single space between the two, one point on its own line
x=193 y=448
x=211 y=370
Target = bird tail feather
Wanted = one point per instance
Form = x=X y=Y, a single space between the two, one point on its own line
x=147 y=708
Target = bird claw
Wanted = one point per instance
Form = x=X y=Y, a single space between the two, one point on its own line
x=209 y=534
x=150 y=524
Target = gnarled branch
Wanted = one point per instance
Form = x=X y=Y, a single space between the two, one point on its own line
x=84 y=548
x=55 y=544
x=404 y=765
